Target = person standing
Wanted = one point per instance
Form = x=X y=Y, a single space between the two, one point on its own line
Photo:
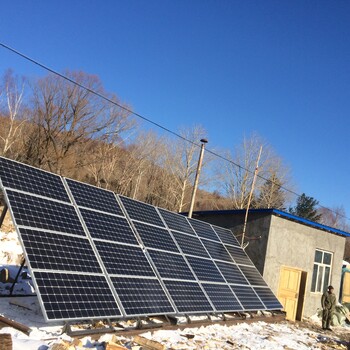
x=328 y=302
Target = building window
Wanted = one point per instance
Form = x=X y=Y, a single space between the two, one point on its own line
x=322 y=271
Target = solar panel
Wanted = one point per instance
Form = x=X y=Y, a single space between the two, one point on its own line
x=28 y=179
x=268 y=298
x=231 y=272
x=75 y=296
x=93 y=254
x=204 y=230
x=108 y=227
x=171 y=265
x=142 y=296
x=216 y=250
x=190 y=245
x=156 y=237
x=226 y=235
x=124 y=259
x=176 y=222
x=119 y=249
x=52 y=251
x=205 y=269
x=222 y=297
x=247 y=298
x=141 y=211
x=95 y=198
x=188 y=297
x=238 y=255
x=37 y=212
x=252 y=275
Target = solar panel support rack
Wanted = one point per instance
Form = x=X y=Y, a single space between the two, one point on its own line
x=3 y=214
x=93 y=254
x=2 y=218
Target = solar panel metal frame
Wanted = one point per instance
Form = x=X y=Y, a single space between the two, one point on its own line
x=197 y=224
x=157 y=276
x=239 y=307
x=277 y=305
x=34 y=169
x=27 y=197
x=36 y=270
x=143 y=280
x=199 y=280
x=219 y=229
x=227 y=246
x=236 y=286
x=110 y=276
x=233 y=285
x=163 y=279
x=219 y=241
x=78 y=276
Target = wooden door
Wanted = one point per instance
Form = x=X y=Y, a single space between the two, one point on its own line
x=346 y=288
x=288 y=290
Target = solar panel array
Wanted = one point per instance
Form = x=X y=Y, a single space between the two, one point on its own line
x=94 y=254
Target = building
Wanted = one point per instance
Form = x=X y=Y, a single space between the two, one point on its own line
x=298 y=258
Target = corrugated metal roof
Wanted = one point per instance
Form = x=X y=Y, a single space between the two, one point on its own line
x=278 y=213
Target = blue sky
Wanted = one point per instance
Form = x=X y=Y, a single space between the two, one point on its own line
x=278 y=68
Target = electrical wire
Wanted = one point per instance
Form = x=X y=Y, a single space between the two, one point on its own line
x=152 y=122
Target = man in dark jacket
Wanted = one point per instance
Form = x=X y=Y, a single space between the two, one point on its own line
x=328 y=302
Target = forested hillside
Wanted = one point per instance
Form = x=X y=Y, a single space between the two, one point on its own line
x=82 y=131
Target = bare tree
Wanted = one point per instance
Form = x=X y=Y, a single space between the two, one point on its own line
x=181 y=163
x=271 y=192
x=126 y=169
x=237 y=175
x=103 y=160
x=334 y=217
x=270 y=195
x=11 y=103
x=144 y=158
x=67 y=118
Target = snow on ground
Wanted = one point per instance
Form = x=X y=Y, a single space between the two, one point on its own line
x=243 y=336
x=10 y=249
x=11 y=255
x=258 y=335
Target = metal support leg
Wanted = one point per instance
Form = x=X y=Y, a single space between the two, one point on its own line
x=171 y=319
x=18 y=273
x=3 y=214
x=111 y=327
x=138 y=324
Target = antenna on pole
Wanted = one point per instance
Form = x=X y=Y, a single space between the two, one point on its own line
x=250 y=196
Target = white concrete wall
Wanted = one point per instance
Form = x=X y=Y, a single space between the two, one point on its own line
x=294 y=244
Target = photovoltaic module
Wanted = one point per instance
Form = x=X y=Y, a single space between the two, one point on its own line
x=93 y=254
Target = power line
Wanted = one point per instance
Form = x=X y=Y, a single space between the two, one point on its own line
x=151 y=121
x=92 y=91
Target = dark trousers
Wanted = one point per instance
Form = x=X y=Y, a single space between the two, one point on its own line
x=326 y=318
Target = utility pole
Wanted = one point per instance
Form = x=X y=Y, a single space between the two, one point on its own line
x=250 y=195
x=199 y=166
